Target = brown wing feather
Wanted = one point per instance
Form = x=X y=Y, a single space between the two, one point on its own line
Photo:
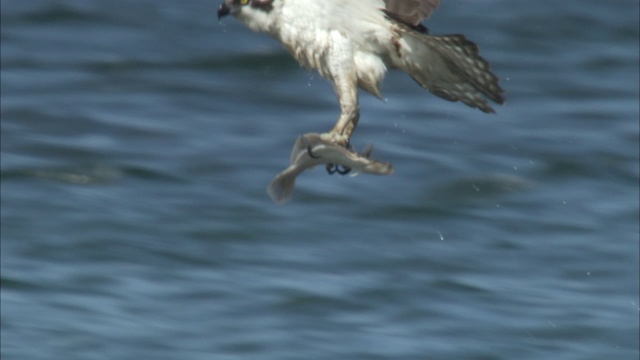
x=449 y=66
x=411 y=12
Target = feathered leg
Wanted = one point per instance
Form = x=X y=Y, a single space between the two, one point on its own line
x=345 y=84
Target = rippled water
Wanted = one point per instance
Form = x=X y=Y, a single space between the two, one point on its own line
x=138 y=138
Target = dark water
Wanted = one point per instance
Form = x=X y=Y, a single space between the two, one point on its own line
x=138 y=138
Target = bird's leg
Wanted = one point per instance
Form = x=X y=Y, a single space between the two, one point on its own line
x=341 y=134
x=342 y=138
x=345 y=84
x=344 y=127
x=346 y=124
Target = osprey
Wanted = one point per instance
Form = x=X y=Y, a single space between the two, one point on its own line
x=352 y=43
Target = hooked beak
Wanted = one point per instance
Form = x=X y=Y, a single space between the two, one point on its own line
x=223 y=10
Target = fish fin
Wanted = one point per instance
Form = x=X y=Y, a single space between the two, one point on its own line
x=280 y=189
x=366 y=152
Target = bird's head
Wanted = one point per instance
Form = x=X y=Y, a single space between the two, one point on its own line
x=256 y=14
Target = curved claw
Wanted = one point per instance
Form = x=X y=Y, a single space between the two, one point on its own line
x=311 y=154
x=340 y=169
x=343 y=170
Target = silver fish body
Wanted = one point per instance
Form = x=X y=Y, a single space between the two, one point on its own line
x=311 y=150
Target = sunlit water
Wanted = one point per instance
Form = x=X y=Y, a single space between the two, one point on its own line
x=138 y=138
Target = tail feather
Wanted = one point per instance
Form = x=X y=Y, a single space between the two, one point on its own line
x=450 y=67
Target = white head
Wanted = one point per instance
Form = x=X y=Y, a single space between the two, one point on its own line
x=258 y=15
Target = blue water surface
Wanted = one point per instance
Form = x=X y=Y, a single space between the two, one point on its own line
x=138 y=137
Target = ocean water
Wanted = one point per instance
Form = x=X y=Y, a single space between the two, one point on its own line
x=138 y=137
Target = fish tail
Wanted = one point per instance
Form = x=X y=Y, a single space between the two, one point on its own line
x=280 y=189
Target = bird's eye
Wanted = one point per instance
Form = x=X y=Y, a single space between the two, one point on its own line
x=244 y=2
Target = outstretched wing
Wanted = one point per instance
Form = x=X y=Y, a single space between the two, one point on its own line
x=410 y=12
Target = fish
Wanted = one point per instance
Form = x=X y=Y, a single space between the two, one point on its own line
x=311 y=150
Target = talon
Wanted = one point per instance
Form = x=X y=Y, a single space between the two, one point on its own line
x=331 y=169
x=336 y=139
x=343 y=170
x=311 y=154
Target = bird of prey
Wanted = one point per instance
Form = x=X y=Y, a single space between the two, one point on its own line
x=352 y=43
